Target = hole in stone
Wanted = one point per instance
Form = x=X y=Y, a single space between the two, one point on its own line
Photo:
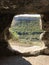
x=44 y=26
x=25 y=30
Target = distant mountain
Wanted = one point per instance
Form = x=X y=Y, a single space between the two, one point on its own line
x=17 y=20
x=26 y=18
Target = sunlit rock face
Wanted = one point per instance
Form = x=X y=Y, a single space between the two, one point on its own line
x=24 y=6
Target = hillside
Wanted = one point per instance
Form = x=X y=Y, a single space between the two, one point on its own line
x=26 y=24
x=26 y=29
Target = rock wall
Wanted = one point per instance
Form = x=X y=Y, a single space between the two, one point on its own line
x=24 y=6
x=9 y=8
x=45 y=35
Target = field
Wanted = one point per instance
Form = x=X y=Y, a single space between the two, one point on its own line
x=26 y=32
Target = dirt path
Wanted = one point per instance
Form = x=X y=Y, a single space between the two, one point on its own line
x=18 y=60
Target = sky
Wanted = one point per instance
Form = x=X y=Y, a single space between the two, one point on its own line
x=28 y=15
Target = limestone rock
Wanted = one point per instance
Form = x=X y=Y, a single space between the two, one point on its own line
x=9 y=8
x=44 y=23
x=34 y=50
x=24 y=6
x=44 y=36
x=46 y=51
x=46 y=42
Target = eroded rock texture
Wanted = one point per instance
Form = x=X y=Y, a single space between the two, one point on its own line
x=5 y=22
x=24 y=6
x=45 y=34
x=9 y=8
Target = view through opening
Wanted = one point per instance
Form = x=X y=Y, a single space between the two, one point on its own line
x=25 y=30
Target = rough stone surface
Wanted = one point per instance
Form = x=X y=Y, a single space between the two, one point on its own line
x=24 y=6
x=19 y=60
x=27 y=51
x=5 y=22
x=46 y=51
x=44 y=23
x=44 y=36
x=9 y=8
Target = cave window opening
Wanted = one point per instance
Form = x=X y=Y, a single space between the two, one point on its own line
x=25 y=30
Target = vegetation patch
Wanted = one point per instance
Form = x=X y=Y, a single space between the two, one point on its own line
x=26 y=31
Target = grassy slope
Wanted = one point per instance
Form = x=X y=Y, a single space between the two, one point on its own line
x=23 y=27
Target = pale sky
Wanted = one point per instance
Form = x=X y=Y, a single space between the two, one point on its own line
x=28 y=15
